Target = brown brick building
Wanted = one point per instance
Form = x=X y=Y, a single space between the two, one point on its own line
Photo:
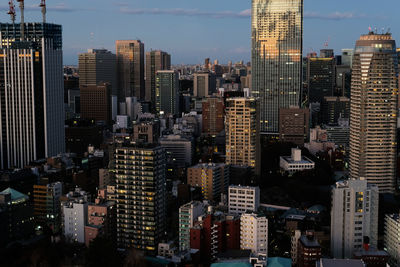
x=213 y=115
x=294 y=125
x=96 y=102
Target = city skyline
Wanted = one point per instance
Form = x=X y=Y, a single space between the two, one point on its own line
x=226 y=26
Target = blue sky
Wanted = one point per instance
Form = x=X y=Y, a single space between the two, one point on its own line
x=192 y=30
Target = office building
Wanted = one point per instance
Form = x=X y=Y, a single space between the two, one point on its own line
x=347 y=57
x=130 y=69
x=179 y=149
x=46 y=200
x=276 y=57
x=212 y=178
x=188 y=215
x=204 y=84
x=321 y=78
x=97 y=66
x=74 y=215
x=391 y=239
x=96 y=102
x=167 y=92
x=333 y=108
x=243 y=199
x=354 y=217
x=140 y=195
x=296 y=162
x=32 y=88
x=147 y=131
x=294 y=125
x=243 y=132
x=254 y=233
x=373 y=111
x=212 y=115
x=155 y=61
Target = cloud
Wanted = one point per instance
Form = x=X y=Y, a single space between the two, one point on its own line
x=124 y=8
x=338 y=16
x=185 y=12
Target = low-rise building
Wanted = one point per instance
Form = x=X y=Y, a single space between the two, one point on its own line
x=243 y=199
x=296 y=162
x=309 y=250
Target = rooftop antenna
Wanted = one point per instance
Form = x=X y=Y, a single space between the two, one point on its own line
x=22 y=7
x=11 y=12
x=43 y=6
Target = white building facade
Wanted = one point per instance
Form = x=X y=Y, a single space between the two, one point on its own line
x=242 y=199
x=188 y=215
x=254 y=233
x=354 y=216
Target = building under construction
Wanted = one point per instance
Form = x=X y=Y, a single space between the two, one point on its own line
x=31 y=90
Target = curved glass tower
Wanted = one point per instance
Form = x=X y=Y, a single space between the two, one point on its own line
x=373 y=111
x=277 y=40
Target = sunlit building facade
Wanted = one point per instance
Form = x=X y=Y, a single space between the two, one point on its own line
x=277 y=36
x=373 y=111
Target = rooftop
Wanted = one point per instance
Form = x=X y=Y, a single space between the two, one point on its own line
x=309 y=242
x=340 y=263
x=279 y=262
x=16 y=197
x=304 y=160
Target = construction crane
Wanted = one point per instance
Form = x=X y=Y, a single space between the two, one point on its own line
x=22 y=7
x=11 y=11
x=43 y=6
x=12 y=14
x=326 y=44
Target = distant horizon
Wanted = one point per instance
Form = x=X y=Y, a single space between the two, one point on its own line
x=192 y=31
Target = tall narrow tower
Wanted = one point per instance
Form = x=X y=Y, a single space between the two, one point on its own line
x=373 y=111
x=276 y=55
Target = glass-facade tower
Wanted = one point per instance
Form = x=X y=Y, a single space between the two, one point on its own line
x=277 y=37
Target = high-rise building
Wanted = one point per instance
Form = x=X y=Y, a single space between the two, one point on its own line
x=294 y=125
x=204 y=84
x=254 y=233
x=188 y=215
x=130 y=69
x=212 y=178
x=167 y=92
x=392 y=233
x=179 y=148
x=333 y=108
x=354 y=217
x=213 y=115
x=155 y=61
x=243 y=132
x=140 y=195
x=242 y=199
x=347 y=57
x=321 y=78
x=277 y=44
x=373 y=111
x=96 y=102
x=31 y=93
x=46 y=199
x=96 y=66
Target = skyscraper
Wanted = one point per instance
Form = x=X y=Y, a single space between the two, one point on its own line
x=141 y=195
x=213 y=115
x=321 y=78
x=95 y=66
x=130 y=69
x=204 y=84
x=277 y=37
x=242 y=132
x=167 y=95
x=31 y=93
x=354 y=217
x=373 y=111
x=96 y=102
x=155 y=61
